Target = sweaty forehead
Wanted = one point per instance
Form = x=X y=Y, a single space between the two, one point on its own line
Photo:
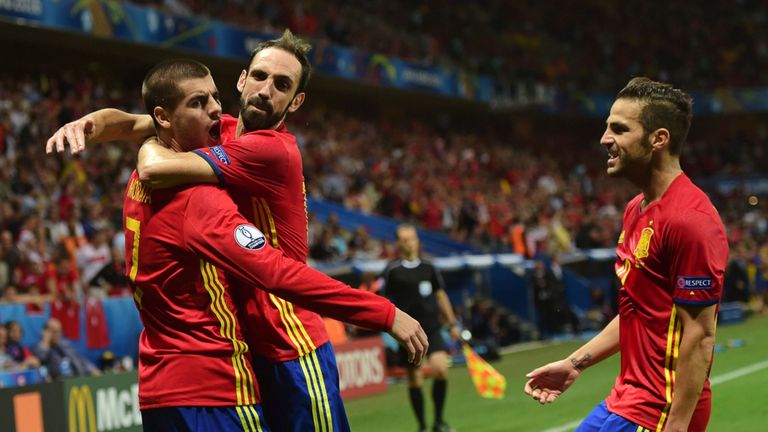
x=277 y=61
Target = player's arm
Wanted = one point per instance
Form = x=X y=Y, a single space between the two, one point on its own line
x=256 y=160
x=215 y=231
x=548 y=382
x=696 y=345
x=700 y=251
x=161 y=167
x=101 y=126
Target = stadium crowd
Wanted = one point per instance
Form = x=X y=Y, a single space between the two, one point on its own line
x=722 y=45
x=501 y=188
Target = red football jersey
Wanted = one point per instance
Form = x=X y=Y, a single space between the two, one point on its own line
x=185 y=249
x=672 y=252
x=262 y=170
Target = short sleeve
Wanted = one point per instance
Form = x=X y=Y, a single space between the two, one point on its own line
x=437 y=279
x=257 y=159
x=698 y=251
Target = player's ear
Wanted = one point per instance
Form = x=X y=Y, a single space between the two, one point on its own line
x=659 y=139
x=241 y=80
x=162 y=116
x=296 y=102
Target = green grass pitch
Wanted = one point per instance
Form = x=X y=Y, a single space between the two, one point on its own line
x=739 y=376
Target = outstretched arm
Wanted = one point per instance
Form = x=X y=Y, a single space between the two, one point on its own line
x=101 y=126
x=696 y=348
x=548 y=382
x=222 y=237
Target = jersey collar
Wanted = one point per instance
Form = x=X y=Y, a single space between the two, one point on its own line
x=411 y=264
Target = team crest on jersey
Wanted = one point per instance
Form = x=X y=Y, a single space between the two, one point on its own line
x=220 y=154
x=641 y=250
x=425 y=288
x=694 y=282
x=249 y=237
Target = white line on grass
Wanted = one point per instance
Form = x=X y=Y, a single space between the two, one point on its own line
x=738 y=373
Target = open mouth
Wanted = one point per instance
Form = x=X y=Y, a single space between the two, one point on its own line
x=215 y=131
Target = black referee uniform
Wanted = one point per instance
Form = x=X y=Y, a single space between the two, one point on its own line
x=411 y=286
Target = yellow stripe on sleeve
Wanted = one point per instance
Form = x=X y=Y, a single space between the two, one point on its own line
x=673 y=339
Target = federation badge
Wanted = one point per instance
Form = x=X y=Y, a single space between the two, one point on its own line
x=249 y=237
x=641 y=250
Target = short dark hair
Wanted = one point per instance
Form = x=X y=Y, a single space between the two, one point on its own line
x=294 y=45
x=663 y=106
x=160 y=86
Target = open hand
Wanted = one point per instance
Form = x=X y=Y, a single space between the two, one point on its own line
x=548 y=382
x=409 y=334
x=75 y=133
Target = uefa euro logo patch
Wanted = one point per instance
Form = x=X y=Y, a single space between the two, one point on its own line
x=220 y=154
x=249 y=237
x=694 y=282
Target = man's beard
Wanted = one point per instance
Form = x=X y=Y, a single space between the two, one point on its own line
x=257 y=120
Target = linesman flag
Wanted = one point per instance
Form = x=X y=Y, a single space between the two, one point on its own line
x=488 y=382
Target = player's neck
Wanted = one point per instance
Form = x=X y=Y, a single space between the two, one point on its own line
x=241 y=127
x=169 y=143
x=658 y=180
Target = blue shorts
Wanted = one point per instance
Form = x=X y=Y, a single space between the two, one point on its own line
x=247 y=418
x=302 y=395
x=602 y=420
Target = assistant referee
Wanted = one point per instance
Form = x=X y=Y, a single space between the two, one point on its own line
x=416 y=287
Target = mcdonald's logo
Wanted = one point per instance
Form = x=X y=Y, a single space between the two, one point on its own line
x=81 y=411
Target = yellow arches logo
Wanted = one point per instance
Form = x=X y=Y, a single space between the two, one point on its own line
x=82 y=411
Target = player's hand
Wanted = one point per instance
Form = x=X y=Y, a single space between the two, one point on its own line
x=548 y=382
x=75 y=133
x=409 y=334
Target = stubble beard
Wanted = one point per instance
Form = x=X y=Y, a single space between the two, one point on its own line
x=254 y=120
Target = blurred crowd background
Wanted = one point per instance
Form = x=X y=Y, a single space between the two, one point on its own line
x=525 y=183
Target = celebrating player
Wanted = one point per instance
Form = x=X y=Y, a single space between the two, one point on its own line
x=260 y=164
x=670 y=258
x=189 y=253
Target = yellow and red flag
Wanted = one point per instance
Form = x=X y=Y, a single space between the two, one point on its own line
x=488 y=382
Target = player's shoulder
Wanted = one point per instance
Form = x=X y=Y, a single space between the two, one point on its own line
x=208 y=196
x=686 y=203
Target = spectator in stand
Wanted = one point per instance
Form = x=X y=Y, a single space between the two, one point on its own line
x=59 y=357
x=6 y=361
x=93 y=257
x=20 y=355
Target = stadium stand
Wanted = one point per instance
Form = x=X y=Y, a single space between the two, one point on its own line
x=474 y=180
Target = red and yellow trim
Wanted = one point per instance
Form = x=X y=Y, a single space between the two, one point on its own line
x=244 y=381
x=297 y=333
x=670 y=364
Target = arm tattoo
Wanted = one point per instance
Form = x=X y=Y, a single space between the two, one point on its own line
x=581 y=364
